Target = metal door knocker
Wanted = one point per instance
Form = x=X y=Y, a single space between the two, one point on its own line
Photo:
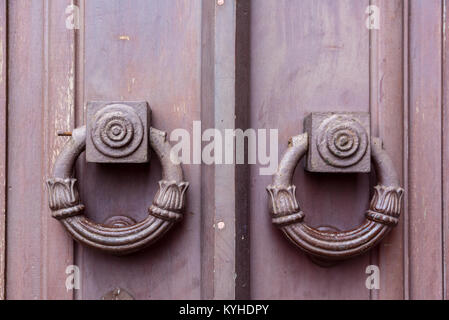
x=336 y=142
x=117 y=133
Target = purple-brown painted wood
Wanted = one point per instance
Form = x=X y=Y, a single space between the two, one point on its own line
x=425 y=150
x=3 y=141
x=59 y=112
x=40 y=63
x=387 y=109
x=264 y=66
x=307 y=56
x=445 y=162
x=142 y=50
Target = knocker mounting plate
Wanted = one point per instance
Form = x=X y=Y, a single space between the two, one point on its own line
x=117 y=132
x=338 y=142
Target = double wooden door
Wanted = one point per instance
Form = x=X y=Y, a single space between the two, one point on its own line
x=227 y=64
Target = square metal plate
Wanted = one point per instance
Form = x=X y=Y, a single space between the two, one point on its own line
x=117 y=132
x=338 y=142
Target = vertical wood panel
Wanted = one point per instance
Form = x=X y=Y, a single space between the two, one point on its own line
x=224 y=189
x=142 y=50
x=59 y=115
x=3 y=139
x=225 y=89
x=41 y=103
x=406 y=144
x=387 y=122
x=425 y=187
x=25 y=157
x=445 y=162
x=242 y=176
x=307 y=56
x=207 y=172
x=79 y=110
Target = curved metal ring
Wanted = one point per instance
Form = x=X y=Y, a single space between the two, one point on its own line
x=382 y=216
x=167 y=207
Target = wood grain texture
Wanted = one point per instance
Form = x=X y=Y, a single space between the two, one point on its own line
x=224 y=187
x=141 y=50
x=25 y=158
x=59 y=115
x=387 y=105
x=3 y=139
x=225 y=89
x=242 y=177
x=425 y=150
x=207 y=172
x=307 y=56
x=406 y=126
x=41 y=102
x=194 y=60
x=445 y=162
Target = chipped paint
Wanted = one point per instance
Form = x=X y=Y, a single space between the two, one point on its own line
x=127 y=38
x=335 y=47
x=180 y=108
x=131 y=84
x=66 y=110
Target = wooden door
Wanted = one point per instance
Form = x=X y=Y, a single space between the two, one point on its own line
x=227 y=64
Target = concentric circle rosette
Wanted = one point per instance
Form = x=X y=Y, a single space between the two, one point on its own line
x=342 y=142
x=117 y=131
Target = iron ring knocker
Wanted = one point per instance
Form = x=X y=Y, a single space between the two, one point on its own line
x=166 y=210
x=382 y=216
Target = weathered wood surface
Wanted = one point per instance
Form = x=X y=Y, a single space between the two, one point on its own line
x=425 y=151
x=445 y=146
x=307 y=56
x=3 y=140
x=224 y=179
x=403 y=51
x=40 y=102
x=387 y=112
x=207 y=172
x=142 y=50
x=190 y=60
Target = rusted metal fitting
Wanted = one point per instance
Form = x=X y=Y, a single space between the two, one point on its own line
x=339 y=142
x=329 y=244
x=117 y=132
